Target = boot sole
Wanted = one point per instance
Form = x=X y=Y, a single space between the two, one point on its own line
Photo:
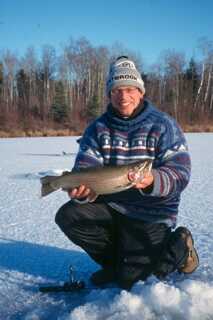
x=193 y=255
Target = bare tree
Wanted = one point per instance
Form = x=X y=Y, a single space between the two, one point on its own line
x=174 y=63
x=29 y=64
x=47 y=75
x=72 y=86
x=10 y=66
x=205 y=87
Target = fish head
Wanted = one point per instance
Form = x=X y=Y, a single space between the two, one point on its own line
x=145 y=166
x=140 y=169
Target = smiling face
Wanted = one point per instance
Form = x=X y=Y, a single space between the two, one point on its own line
x=125 y=99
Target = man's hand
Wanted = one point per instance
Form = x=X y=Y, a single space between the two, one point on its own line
x=82 y=192
x=141 y=182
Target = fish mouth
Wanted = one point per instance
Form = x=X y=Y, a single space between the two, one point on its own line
x=137 y=173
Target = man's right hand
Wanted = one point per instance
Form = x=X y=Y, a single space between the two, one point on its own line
x=81 y=193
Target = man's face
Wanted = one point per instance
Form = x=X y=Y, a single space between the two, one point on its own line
x=126 y=99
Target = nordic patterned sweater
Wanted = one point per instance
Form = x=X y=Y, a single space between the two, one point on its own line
x=112 y=140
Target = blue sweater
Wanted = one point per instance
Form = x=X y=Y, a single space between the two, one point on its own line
x=112 y=140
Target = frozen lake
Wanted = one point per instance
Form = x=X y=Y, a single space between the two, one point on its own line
x=34 y=251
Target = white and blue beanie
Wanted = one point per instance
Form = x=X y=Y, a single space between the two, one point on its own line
x=123 y=72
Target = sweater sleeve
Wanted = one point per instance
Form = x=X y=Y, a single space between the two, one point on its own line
x=88 y=155
x=89 y=151
x=172 y=167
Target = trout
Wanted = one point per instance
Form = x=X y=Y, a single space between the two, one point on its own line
x=102 y=180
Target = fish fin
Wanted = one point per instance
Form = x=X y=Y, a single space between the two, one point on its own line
x=46 y=187
x=122 y=188
x=64 y=173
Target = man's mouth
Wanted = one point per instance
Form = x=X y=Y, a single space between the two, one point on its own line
x=124 y=104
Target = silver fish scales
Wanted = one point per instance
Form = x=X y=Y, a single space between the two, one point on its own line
x=102 y=180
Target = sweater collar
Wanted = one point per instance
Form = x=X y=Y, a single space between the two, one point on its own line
x=116 y=121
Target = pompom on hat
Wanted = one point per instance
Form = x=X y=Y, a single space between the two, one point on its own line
x=123 y=72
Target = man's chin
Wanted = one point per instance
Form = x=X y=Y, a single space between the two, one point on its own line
x=124 y=111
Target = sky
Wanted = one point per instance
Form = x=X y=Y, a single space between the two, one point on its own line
x=147 y=27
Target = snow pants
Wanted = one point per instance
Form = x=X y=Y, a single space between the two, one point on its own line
x=134 y=248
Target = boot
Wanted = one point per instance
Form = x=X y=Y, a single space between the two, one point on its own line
x=103 y=276
x=192 y=260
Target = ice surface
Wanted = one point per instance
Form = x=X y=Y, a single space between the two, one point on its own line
x=34 y=251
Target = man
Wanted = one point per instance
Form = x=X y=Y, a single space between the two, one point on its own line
x=130 y=233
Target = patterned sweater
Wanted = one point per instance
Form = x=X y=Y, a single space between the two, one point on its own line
x=112 y=140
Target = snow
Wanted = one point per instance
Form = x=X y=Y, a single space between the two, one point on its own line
x=33 y=251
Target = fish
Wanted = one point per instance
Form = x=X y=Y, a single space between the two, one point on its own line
x=102 y=180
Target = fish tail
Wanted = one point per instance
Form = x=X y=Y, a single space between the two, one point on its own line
x=46 y=187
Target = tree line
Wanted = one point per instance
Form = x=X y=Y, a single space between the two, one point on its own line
x=67 y=90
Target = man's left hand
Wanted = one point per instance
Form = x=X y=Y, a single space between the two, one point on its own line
x=141 y=182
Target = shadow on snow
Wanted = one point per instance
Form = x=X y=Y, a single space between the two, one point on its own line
x=50 y=265
x=40 y=260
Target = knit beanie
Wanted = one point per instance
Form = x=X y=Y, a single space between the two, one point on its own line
x=123 y=72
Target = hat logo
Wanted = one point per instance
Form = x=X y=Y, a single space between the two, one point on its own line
x=126 y=64
x=124 y=77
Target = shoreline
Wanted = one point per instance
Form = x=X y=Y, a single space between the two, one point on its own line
x=68 y=132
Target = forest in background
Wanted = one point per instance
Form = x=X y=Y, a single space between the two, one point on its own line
x=59 y=94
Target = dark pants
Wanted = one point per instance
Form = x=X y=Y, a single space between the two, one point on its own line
x=134 y=248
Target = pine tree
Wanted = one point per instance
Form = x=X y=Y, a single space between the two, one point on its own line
x=193 y=78
x=1 y=80
x=93 y=108
x=23 y=89
x=3 y=119
x=59 y=108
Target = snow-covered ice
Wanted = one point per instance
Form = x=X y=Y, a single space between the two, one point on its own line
x=33 y=250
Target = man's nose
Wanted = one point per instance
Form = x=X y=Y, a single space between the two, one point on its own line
x=123 y=93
